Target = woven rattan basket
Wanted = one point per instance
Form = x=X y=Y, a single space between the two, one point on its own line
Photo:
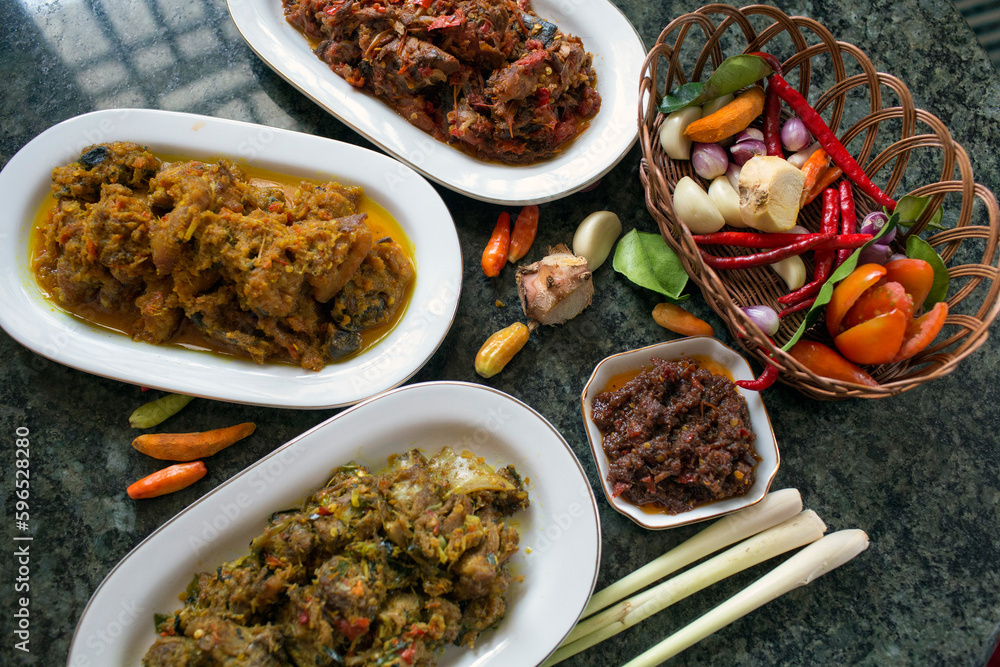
x=804 y=46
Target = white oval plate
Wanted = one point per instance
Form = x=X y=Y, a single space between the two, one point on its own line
x=560 y=528
x=739 y=369
x=37 y=324
x=618 y=55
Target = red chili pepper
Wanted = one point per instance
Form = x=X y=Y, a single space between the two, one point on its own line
x=779 y=240
x=524 y=233
x=408 y=654
x=796 y=307
x=765 y=380
x=848 y=217
x=495 y=254
x=772 y=111
x=823 y=261
x=426 y=4
x=767 y=257
x=772 y=118
x=824 y=135
x=804 y=292
x=447 y=21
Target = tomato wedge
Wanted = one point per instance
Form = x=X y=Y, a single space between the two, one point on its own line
x=848 y=291
x=915 y=275
x=878 y=300
x=921 y=331
x=825 y=362
x=875 y=341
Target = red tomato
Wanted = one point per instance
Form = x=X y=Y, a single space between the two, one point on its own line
x=875 y=341
x=848 y=291
x=878 y=300
x=921 y=331
x=825 y=362
x=915 y=275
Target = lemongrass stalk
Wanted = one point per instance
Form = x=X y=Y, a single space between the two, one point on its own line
x=801 y=529
x=775 y=507
x=811 y=563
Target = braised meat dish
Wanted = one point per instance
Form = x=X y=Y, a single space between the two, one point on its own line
x=372 y=570
x=486 y=75
x=294 y=278
x=677 y=436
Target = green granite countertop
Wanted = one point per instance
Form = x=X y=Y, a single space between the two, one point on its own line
x=918 y=472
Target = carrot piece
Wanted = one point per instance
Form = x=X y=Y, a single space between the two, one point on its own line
x=674 y=318
x=495 y=254
x=524 y=233
x=190 y=446
x=730 y=119
x=168 y=480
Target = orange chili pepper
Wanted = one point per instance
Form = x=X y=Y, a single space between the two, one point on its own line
x=495 y=254
x=674 y=318
x=190 y=446
x=826 y=179
x=524 y=233
x=168 y=480
x=812 y=169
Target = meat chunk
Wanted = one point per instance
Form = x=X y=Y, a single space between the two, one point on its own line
x=175 y=652
x=121 y=162
x=376 y=291
x=232 y=645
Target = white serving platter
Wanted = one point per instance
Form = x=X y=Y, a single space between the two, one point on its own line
x=39 y=325
x=739 y=369
x=560 y=531
x=618 y=54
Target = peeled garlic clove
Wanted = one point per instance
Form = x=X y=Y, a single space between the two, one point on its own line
x=792 y=270
x=672 y=139
x=712 y=106
x=596 y=235
x=726 y=201
x=694 y=208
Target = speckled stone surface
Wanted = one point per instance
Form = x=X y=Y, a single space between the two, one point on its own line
x=918 y=472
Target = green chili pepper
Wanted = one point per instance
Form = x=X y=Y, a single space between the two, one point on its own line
x=155 y=412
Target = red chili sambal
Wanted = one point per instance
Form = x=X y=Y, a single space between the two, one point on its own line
x=677 y=436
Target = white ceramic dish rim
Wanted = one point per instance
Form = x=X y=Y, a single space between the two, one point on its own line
x=565 y=520
x=37 y=324
x=618 y=54
x=766 y=444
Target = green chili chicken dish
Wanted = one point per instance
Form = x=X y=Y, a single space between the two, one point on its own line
x=380 y=569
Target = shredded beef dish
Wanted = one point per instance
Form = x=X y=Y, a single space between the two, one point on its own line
x=488 y=76
x=677 y=436
x=372 y=570
x=192 y=244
